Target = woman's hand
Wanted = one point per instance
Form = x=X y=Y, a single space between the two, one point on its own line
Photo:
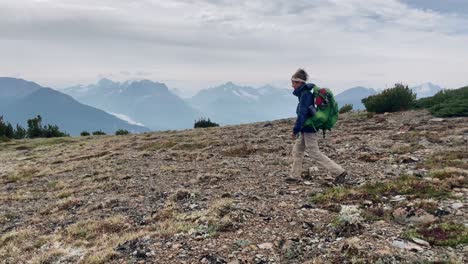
x=293 y=136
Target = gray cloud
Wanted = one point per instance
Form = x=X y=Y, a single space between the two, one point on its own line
x=61 y=42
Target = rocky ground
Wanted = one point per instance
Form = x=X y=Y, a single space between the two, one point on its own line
x=218 y=195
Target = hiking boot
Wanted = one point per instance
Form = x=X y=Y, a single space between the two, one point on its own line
x=292 y=180
x=340 y=179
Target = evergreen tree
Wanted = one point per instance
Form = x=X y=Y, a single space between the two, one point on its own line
x=20 y=132
x=9 y=131
x=34 y=127
x=2 y=127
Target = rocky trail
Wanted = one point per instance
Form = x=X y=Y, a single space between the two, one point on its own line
x=218 y=195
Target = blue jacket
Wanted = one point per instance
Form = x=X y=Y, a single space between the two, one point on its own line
x=306 y=99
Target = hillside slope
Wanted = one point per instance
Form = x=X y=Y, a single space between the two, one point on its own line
x=218 y=195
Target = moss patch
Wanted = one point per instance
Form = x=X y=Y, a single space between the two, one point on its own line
x=441 y=234
x=404 y=185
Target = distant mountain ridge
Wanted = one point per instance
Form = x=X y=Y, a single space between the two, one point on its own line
x=23 y=100
x=230 y=103
x=132 y=104
x=147 y=102
x=354 y=96
x=426 y=90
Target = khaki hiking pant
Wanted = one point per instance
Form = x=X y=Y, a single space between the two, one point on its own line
x=308 y=141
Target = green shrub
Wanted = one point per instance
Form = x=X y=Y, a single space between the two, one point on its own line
x=346 y=108
x=394 y=99
x=51 y=131
x=202 y=122
x=84 y=133
x=446 y=103
x=121 y=132
x=99 y=133
x=36 y=130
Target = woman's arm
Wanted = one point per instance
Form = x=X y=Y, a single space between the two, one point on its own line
x=303 y=113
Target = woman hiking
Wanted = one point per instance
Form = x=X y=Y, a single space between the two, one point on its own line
x=305 y=137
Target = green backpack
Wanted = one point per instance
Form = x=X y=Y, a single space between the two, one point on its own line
x=327 y=110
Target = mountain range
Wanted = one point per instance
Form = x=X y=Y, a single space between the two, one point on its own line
x=356 y=94
x=426 y=90
x=142 y=105
x=144 y=102
x=21 y=100
x=234 y=104
x=158 y=107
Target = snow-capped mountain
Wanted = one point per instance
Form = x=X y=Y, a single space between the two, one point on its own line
x=234 y=104
x=426 y=90
x=143 y=102
x=21 y=100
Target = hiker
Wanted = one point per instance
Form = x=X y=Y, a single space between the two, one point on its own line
x=305 y=136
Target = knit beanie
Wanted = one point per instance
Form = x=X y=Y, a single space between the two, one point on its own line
x=300 y=76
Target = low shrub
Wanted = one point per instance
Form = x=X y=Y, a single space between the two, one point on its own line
x=202 y=122
x=121 y=132
x=99 y=133
x=346 y=108
x=394 y=99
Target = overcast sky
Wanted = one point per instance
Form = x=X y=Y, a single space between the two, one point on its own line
x=193 y=44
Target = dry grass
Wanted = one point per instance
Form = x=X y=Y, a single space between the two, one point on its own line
x=221 y=207
x=159 y=145
x=22 y=174
x=407 y=148
x=171 y=221
x=30 y=144
x=441 y=160
x=170 y=168
x=243 y=150
x=51 y=256
x=86 y=232
x=19 y=195
x=190 y=146
x=16 y=244
x=453 y=177
x=62 y=205
x=64 y=194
